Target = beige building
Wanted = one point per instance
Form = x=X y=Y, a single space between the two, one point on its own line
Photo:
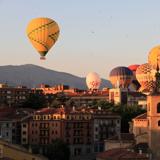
x=148 y=125
x=115 y=95
x=140 y=128
x=123 y=96
x=153 y=114
x=15 y=152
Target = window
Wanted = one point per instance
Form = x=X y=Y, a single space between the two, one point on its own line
x=159 y=123
x=88 y=150
x=24 y=139
x=96 y=136
x=158 y=108
x=24 y=125
x=148 y=106
x=67 y=140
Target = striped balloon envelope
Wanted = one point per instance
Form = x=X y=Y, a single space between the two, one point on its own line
x=42 y=33
x=121 y=77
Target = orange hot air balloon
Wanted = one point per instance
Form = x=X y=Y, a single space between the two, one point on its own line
x=154 y=57
x=43 y=33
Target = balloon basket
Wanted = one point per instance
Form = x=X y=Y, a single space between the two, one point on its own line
x=42 y=58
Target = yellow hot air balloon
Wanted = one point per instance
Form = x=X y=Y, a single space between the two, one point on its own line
x=154 y=57
x=43 y=33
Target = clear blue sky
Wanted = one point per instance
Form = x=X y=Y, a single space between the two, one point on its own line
x=96 y=35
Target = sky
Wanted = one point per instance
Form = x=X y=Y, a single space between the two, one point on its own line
x=95 y=35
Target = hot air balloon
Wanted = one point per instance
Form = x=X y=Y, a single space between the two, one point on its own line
x=121 y=77
x=93 y=81
x=133 y=68
x=42 y=33
x=146 y=76
x=134 y=84
x=154 y=57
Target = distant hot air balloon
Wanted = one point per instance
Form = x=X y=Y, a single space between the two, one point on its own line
x=146 y=76
x=133 y=68
x=121 y=77
x=154 y=57
x=43 y=33
x=134 y=84
x=93 y=81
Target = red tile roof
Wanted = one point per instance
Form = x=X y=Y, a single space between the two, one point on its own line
x=121 y=154
x=141 y=116
x=13 y=113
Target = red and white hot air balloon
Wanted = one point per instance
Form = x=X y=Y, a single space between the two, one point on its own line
x=93 y=81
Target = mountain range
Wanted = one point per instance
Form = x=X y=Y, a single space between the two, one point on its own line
x=32 y=75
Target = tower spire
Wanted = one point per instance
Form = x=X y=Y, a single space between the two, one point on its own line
x=157 y=76
x=157 y=68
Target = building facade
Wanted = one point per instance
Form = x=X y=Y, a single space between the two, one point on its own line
x=84 y=130
x=13 y=96
x=10 y=123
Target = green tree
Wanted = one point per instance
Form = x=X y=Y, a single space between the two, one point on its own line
x=102 y=103
x=58 y=150
x=127 y=113
x=35 y=101
x=60 y=99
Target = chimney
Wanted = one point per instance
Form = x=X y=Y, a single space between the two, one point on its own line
x=73 y=109
x=99 y=108
x=140 y=151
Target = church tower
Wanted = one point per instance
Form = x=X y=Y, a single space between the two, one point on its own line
x=153 y=114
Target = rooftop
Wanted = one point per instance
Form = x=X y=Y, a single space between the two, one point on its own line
x=141 y=116
x=74 y=110
x=121 y=154
x=9 y=113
